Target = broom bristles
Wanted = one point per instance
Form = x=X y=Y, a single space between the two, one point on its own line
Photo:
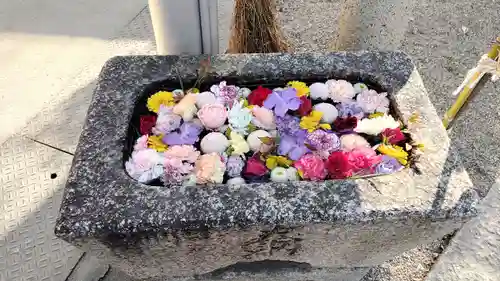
x=255 y=29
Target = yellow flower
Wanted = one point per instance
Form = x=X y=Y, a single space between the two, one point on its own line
x=311 y=122
x=156 y=143
x=301 y=87
x=273 y=161
x=239 y=145
x=375 y=115
x=163 y=97
x=394 y=151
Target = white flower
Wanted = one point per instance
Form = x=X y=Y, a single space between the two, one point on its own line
x=219 y=170
x=244 y=92
x=340 y=90
x=214 y=142
x=292 y=174
x=330 y=112
x=145 y=165
x=205 y=98
x=360 y=87
x=377 y=125
x=235 y=181
x=319 y=91
x=279 y=174
x=371 y=101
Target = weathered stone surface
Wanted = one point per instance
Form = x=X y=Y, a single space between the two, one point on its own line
x=159 y=231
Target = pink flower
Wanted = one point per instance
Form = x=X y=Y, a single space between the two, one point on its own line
x=255 y=167
x=175 y=171
x=213 y=116
x=141 y=143
x=371 y=101
x=209 y=168
x=311 y=167
x=340 y=90
x=352 y=141
x=145 y=165
x=363 y=159
x=263 y=118
x=183 y=152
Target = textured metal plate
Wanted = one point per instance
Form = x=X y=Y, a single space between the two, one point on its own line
x=29 y=203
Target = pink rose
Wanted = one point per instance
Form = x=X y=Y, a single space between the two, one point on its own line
x=263 y=118
x=352 y=141
x=311 y=167
x=141 y=143
x=340 y=90
x=175 y=170
x=371 y=101
x=213 y=116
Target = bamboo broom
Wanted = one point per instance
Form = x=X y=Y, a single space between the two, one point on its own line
x=255 y=29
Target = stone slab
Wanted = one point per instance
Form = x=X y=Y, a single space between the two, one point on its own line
x=160 y=231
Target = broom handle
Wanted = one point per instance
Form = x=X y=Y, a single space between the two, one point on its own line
x=468 y=88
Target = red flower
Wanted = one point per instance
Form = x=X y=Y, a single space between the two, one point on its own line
x=305 y=106
x=258 y=96
x=338 y=165
x=147 y=122
x=255 y=167
x=393 y=136
x=345 y=124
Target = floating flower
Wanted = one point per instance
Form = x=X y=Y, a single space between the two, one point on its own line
x=141 y=143
x=234 y=166
x=338 y=165
x=312 y=122
x=311 y=167
x=263 y=118
x=305 y=106
x=214 y=142
x=328 y=110
x=258 y=96
x=255 y=167
x=160 y=98
x=340 y=90
x=156 y=143
x=186 y=153
x=145 y=165
x=343 y=125
x=395 y=152
x=388 y=165
x=239 y=145
x=239 y=118
x=176 y=171
x=282 y=101
x=323 y=143
x=226 y=94
x=212 y=116
x=205 y=98
x=360 y=87
x=146 y=124
x=279 y=174
x=290 y=125
x=186 y=107
x=209 y=169
x=273 y=161
x=376 y=125
x=371 y=101
x=351 y=108
x=301 y=87
x=260 y=141
x=393 y=136
x=188 y=133
x=362 y=160
x=352 y=141
x=292 y=147
x=319 y=91
x=167 y=121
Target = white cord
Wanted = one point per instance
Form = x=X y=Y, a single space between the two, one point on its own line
x=485 y=65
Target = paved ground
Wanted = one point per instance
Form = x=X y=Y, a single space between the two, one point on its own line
x=52 y=52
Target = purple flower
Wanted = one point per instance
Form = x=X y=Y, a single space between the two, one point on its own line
x=350 y=108
x=282 y=101
x=324 y=143
x=189 y=133
x=290 y=125
x=388 y=165
x=226 y=94
x=234 y=166
x=292 y=147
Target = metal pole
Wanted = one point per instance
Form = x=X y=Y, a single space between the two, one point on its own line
x=185 y=26
x=176 y=25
